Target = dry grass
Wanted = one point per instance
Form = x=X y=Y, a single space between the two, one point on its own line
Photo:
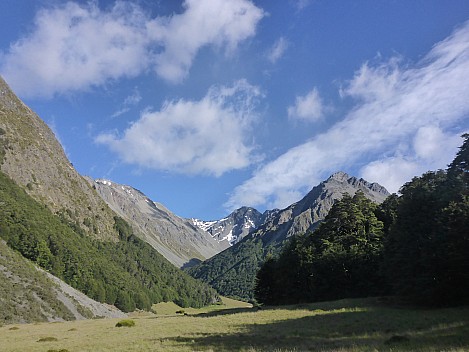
x=347 y=325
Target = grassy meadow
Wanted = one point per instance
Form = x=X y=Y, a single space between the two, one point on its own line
x=346 y=325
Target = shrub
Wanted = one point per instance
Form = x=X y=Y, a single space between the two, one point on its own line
x=126 y=322
x=47 y=339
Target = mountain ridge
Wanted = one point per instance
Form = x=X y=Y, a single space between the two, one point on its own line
x=176 y=238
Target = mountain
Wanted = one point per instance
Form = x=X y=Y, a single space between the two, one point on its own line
x=305 y=215
x=177 y=239
x=31 y=156
x=54 y=218
x=233 y=271
x=235 y=226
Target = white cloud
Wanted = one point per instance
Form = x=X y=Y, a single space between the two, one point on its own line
x=204 y=22
x=73 y=46
x=277 y=50
x=309 y=107
x=394 y=172
x=209 y=136
x=132 y=100
x=401 y=114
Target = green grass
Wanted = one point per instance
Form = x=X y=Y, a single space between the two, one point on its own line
x=346 y=325
x=170 y=308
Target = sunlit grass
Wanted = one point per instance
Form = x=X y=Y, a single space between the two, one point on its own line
x=347 y=325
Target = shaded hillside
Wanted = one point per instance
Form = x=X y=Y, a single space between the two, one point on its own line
x=28 y=294
x=228 y=271
x=177 y=239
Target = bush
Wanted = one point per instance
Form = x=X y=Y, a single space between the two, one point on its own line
x=47 y=339
x=126 y=322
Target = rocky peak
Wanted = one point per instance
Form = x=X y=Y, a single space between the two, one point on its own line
x=234 y=227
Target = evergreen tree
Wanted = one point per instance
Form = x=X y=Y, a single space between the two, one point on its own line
x=428 y=245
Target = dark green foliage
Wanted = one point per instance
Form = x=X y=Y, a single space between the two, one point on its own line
x=128 y=273
x=232 y=273
x=420 y=240
x=125 y=323
x=340 y=259
x=428 y=246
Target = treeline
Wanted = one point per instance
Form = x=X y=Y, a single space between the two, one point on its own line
x=415 y=246
x=127 y=273
x=232 y=272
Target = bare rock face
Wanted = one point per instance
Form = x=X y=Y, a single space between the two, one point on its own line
x=177 y=239
x=305 y=215
x=31 y=156
x=234 y=227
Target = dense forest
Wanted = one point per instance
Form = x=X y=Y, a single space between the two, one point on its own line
x=232 y=272
x=128 y=273
x=414 y=245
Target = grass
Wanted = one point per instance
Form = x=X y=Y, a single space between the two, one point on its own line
x=346 y=325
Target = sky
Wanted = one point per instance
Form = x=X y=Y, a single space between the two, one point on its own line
x=210 y=105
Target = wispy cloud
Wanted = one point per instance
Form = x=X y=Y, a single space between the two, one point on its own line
x=130 y=101
x=301 y=4
x=277 y=50
x=209 y=136
x=405 y=121
x=75 y=46
x=308 y=107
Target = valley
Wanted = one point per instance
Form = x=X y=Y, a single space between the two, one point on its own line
x=346 y=325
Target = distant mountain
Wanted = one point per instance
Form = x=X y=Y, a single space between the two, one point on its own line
x=177 y=239
x=232 y=272
x=235 y=226
x=306 y=214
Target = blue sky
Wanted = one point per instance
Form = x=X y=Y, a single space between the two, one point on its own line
x=208 y=105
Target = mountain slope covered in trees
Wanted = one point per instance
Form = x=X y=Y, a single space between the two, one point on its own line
x=414 y=246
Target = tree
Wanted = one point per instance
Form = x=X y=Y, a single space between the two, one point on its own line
x=44 y=255
x=426 y=253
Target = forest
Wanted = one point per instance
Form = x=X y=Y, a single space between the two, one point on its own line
x=127 y=273
x=414 y=245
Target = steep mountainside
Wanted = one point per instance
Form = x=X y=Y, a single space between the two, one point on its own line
x=28 y=294
x=177 y=239
x=232 y=272
x=31 y=155
x=235 y=226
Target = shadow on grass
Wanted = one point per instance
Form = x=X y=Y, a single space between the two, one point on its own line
x=380 y=329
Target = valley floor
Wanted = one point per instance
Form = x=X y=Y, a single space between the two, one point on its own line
x=346 y=325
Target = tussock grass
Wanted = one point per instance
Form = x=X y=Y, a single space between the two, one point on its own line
x=346 y=325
